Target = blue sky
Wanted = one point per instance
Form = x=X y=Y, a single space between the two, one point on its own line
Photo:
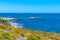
x=29 y=6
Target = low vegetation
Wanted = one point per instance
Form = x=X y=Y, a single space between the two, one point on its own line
x=7 y=32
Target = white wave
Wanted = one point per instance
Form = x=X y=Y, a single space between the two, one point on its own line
x=34 y=17
x=16 y=25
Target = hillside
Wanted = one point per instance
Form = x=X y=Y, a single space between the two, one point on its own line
x=7 y=32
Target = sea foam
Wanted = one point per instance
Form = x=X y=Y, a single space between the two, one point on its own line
x=16 y=25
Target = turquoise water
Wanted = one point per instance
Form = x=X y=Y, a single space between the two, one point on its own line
x=45 y=21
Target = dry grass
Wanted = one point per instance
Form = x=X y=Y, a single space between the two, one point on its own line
x=8 y=32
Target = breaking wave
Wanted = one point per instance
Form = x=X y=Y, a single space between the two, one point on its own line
x=16 y=25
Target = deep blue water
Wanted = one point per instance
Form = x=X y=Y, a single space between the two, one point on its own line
x=48 y=21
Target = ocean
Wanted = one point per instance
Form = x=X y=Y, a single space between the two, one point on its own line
x=49 y=22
